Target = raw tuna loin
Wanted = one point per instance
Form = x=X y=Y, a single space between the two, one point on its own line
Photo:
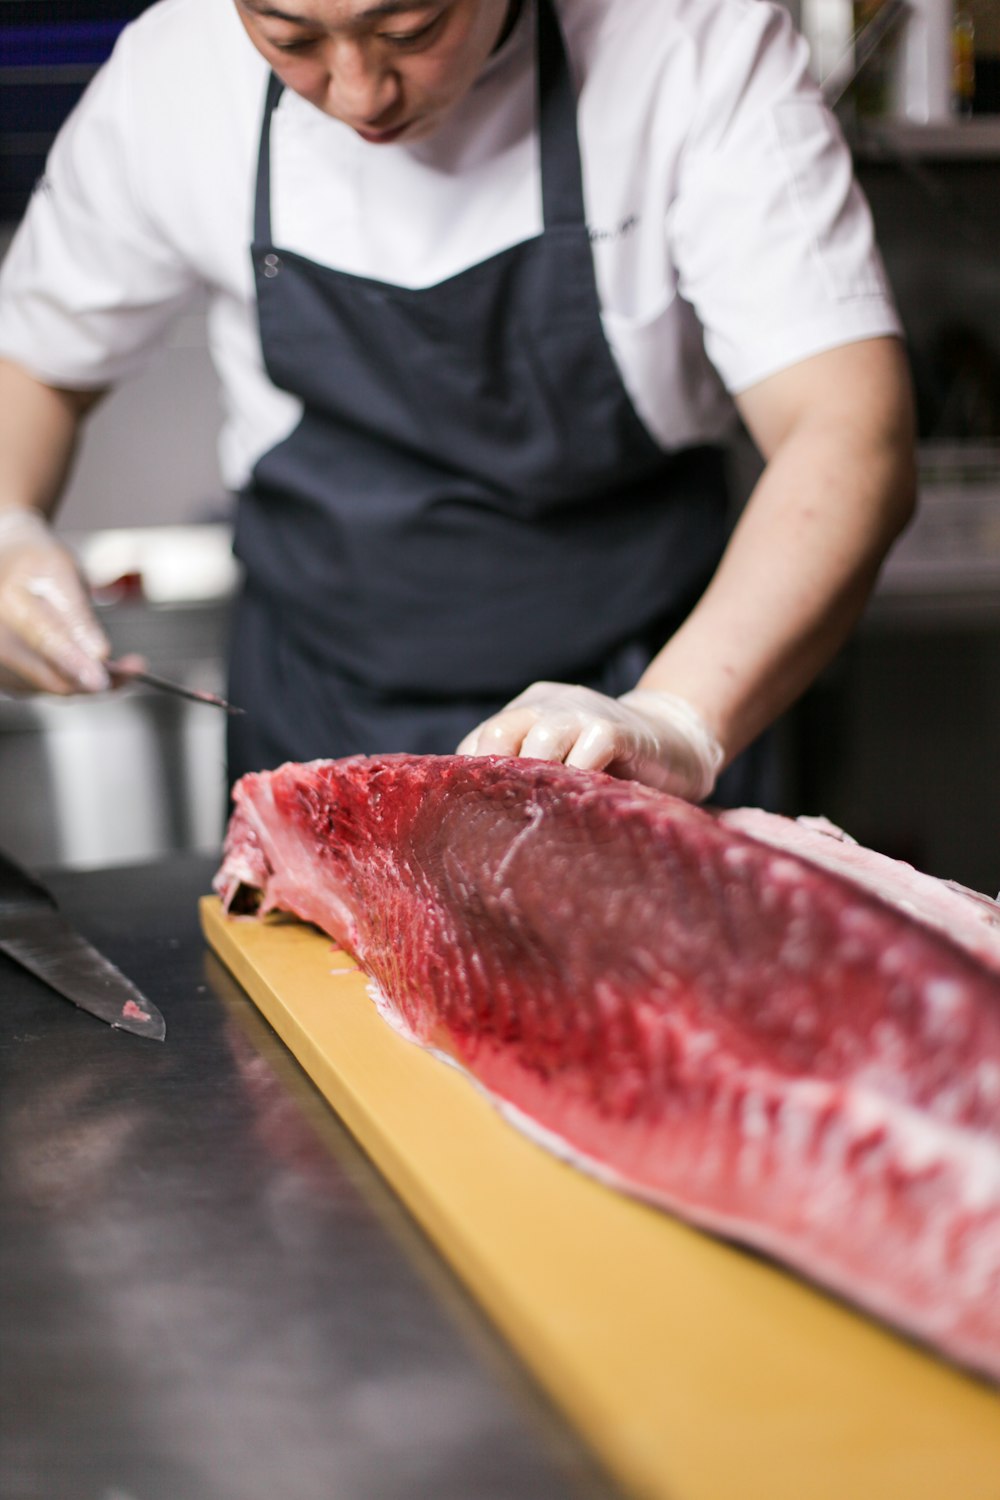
x=702 y=1017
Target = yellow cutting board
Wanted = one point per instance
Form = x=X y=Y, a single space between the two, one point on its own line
x=694 y=1370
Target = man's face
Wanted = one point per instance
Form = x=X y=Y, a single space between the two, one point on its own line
x=390 y=69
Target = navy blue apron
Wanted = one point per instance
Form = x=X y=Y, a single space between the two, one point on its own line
x=469 y=501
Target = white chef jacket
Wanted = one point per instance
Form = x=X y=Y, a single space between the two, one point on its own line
x=729 y=237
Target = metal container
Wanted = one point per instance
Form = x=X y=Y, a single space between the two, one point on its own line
x=131 y=775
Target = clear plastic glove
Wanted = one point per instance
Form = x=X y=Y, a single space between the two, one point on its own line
x=655 y=738
x=50 y=640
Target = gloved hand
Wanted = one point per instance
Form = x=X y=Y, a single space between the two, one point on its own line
x=655 y=738
x=50 y=640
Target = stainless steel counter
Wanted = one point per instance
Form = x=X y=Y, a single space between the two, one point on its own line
x=207 y=1293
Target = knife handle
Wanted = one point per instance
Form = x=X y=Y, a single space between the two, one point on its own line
x=18 y=888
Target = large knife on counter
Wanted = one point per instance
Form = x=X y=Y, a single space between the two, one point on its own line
x=35 y=935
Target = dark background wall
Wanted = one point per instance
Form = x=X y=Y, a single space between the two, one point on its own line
x=899 y=742
x=48 y=52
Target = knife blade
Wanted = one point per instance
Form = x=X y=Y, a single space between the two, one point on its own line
x=35 y=934
x=124 y=671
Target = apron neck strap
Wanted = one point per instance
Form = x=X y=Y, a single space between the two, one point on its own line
x=262 y=197
x=562 y=175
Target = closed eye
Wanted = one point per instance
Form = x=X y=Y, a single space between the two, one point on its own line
x=421 y=37
x=297 y=46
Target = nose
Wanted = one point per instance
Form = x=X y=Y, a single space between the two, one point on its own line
x=360 y=88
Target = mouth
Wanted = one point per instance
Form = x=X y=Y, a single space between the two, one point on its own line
x=382 y=137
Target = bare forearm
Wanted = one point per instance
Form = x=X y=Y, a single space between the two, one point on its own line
x=837 y=433
x=39 y=426
x=836 y=491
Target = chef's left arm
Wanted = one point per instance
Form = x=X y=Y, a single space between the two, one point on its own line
x=836 y=431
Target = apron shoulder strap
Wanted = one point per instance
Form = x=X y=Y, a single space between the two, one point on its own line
x=262 y=196
x=562 y=173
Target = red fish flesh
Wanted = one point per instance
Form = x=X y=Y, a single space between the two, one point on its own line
x=688 y=1004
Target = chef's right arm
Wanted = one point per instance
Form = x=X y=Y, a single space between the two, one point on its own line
x=50 y=640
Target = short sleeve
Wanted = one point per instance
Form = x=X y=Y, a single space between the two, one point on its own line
x=90 y=282
x=771 y=236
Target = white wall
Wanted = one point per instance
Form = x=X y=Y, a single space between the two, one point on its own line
x=149 y=451
x=148 y=455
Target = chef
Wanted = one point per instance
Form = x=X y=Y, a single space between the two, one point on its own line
x=488 y=281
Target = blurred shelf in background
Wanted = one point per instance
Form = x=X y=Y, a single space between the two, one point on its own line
x=975 y=139
x=945 y=570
